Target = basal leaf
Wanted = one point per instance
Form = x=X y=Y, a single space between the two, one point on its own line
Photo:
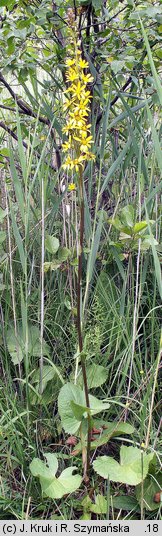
x=127 y=215
x=16 y=344
x=131 y=470
x=78 y=410
x=126 y=502
x=53 y=487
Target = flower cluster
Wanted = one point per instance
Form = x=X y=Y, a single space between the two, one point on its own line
x=76 y=105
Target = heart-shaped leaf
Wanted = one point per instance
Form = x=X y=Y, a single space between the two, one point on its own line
x=53 y=487
x=72 y=407
x=131 y=470
x=16 y=344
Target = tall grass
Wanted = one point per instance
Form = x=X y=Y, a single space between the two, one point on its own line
x=121 y=295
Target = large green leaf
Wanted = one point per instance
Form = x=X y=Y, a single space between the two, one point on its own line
x=16 y=344
x=51 y=383
x=72 y=407
x=53 y=487
x=47 y=374
x=96 y=375
x=112 y=429
x=131 y=470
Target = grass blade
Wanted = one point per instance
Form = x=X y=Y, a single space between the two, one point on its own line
x=115 y=165
x=18 y=239
x=152 y=65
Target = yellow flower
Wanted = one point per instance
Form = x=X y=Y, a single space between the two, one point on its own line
x=85 y=141
x=66 y=146
x=83 y=64
x=72 y=75
x=77 y=89
x=90 y=156
x=82 y=108
x=67 y=128
x=71 y=187
x=68 y=163
x=86 y=78
x=70 y=62
x=67 y=104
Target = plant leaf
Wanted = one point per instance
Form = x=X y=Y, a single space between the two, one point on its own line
x=51 y=244
x=131 y=469
x=111 y=430
x=53 y=487
x=139 y=226
x=125 y=502
x=69 y=394
x=16 y=345
x=96 y=376
x=100 y=506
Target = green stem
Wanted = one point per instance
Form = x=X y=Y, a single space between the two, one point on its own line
x=79 y=319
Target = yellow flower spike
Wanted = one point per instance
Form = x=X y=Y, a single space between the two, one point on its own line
x=77 y=106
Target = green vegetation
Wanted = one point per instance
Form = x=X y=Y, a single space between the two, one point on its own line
x=80 y=253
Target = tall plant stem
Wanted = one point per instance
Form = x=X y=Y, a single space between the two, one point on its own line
x=79 y=320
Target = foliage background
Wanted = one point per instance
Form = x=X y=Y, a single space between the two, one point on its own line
x=39 y=220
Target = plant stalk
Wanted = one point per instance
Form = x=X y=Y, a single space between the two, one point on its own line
x=79 y=320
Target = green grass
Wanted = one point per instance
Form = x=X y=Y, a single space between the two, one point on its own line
x=121 y=294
